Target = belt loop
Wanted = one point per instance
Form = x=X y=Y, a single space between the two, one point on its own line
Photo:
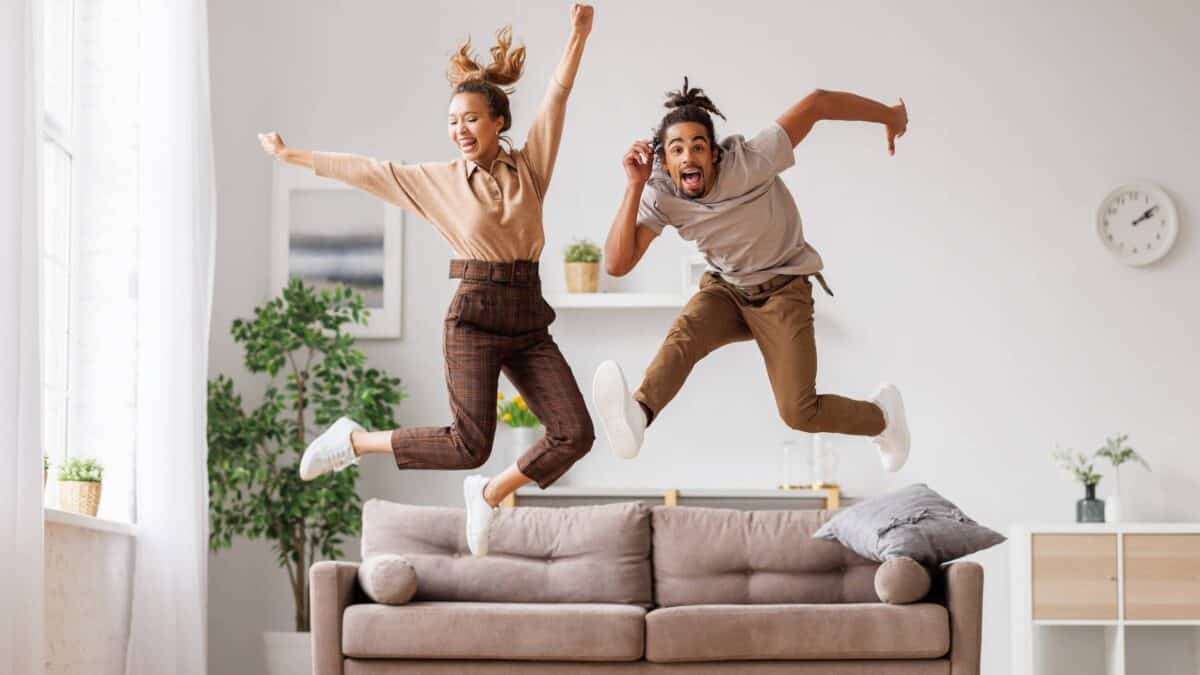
x=821 y=280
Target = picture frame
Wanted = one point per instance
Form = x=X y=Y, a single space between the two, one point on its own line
x=327 y=233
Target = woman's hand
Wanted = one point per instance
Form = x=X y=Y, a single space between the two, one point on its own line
x=638 y=163
x=897 y=125
x=581 y=19
x=272 y=144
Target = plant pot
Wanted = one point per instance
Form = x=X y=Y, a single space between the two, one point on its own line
x=288 y=653
x=79 y=496
x=583 y=277
x=523 y=438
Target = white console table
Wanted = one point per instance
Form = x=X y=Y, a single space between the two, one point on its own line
x=1112 y=599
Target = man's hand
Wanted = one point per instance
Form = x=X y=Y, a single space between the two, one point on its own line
x=581 y=18
x=638 y=163
x=897 y=125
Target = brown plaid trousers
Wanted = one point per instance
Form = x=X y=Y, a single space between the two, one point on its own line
x=498 y=322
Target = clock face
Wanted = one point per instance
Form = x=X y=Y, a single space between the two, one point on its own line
x=1137 y=223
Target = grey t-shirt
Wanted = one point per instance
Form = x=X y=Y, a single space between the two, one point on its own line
x=747 y=226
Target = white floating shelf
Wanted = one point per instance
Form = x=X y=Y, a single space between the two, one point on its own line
x=615 y=300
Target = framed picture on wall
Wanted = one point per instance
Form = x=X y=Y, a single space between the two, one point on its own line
x=329 y=234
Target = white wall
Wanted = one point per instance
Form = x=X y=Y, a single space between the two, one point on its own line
x=966 y=267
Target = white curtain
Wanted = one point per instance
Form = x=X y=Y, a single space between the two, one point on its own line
x=22 y=614
x=168 y=629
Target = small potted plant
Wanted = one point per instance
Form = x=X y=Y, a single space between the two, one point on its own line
x=583 y=266
x=526 y=427
x=1117 y=453
x=1076 y=464
x=79 y=485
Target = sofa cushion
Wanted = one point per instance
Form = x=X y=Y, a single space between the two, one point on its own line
x=714 y=556
x=387 y=578
x=805 y=632
x=900 y=581
x=592 y=554
x=475 y=630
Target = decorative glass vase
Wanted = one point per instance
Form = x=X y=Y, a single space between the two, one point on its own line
x=793 y=467
x=1089 y=509
x=824 y=462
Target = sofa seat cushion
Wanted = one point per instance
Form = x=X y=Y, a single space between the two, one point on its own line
x=801 y=632
x=479 y=630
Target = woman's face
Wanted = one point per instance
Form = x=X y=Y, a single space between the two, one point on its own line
x=473 y=130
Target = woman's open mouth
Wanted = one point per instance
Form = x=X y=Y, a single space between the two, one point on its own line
x=692 y=179
x=467 y=144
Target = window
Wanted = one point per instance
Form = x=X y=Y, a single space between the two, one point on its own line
x=58 y=163
x=90 y=235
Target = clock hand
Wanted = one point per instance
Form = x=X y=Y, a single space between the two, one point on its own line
x=1149 y=212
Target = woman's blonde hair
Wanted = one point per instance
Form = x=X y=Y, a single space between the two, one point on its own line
x=493 y=81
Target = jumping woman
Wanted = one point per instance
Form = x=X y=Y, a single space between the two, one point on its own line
x=488 y=205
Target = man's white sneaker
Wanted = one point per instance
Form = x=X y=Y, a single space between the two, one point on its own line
x=894 y=441
x=621 y=416
x=479 y=514
x=331 y=451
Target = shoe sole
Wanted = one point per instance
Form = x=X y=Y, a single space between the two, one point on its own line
x=612 y=412
x=905 y=439
x=482 y=550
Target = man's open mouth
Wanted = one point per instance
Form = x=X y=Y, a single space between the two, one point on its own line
x=692 y=179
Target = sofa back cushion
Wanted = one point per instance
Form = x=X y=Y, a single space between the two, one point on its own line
x=726 y=556
x=578 y=554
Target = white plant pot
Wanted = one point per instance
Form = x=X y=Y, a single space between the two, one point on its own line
x=288 y=653
x=1112 y=505
x=523 y=438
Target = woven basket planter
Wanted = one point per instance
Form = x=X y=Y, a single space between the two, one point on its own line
x=583 y=277
x=79 y=496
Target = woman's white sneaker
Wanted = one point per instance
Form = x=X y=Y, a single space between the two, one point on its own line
x=894 y=442
x=621 y=416
x=479 y=514
x=331 y=451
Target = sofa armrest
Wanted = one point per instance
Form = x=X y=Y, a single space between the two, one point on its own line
x=960 y=587
x=332 y=588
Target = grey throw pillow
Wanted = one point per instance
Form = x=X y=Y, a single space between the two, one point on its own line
x=914 y=522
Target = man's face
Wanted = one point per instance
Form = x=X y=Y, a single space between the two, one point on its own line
x=689 y=158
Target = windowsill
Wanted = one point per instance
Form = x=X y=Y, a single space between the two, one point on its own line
x=89 y=522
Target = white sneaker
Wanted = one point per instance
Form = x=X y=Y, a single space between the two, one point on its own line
x=621 y=416
x=331 y=451
x=479 y=514
x=894 y=441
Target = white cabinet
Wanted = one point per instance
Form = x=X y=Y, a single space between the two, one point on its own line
x=1108 y=599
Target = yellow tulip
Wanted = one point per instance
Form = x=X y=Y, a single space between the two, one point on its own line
x=507 y=417
x=499 y=396
x=521 y=405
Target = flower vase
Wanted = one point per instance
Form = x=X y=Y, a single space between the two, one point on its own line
x=1112 y=506
x=1089 y=509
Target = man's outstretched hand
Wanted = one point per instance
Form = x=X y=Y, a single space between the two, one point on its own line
x=897 y=126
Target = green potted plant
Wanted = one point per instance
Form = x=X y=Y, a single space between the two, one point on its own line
x=1080 y=468
x=525 y=426
x=583 y=266
x=316 y=374
x=1117 y=453
x=79 y=482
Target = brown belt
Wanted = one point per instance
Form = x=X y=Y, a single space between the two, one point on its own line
x=516 y=273
x=777 y=282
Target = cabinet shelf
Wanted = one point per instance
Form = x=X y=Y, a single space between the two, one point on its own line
x=562 y=300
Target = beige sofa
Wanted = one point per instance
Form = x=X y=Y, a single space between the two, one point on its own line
x=625 y=588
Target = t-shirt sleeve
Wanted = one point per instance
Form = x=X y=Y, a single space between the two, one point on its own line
x=649 y=215
x=404 y=185
x=765 y=155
